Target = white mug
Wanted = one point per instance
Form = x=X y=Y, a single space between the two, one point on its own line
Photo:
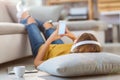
x=19 y=71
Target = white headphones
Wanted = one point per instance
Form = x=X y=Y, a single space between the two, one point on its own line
x=83 y=43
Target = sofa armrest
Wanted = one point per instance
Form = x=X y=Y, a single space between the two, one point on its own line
x=84 y=25
x=11 y=28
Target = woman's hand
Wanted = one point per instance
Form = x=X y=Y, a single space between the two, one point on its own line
x=54 y=36
x=69 y=34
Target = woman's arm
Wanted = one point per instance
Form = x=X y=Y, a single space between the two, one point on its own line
x=70 y=35
x=41 y=53
x=44 y=48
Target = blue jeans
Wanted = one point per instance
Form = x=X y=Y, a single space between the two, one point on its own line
x=35 y=37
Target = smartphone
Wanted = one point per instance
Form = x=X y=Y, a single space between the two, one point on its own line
x=62 y=26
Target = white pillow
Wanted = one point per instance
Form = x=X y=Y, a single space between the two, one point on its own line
x=45 y=13
x=82 y=64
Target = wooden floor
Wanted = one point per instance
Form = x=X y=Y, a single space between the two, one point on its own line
x=44 y=76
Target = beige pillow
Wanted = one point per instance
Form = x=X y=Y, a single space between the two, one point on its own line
x=82 y=64
x=4 y=16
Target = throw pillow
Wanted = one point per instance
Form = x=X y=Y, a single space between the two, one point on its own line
x=45 y=13
x=82 y=64
x=4 y=16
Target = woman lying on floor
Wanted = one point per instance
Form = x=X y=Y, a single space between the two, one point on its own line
x=54 y=46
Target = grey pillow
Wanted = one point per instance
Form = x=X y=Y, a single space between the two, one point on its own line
x=45 y=13
x=82 y=64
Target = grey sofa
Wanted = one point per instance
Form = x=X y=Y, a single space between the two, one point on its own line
x=14 y=42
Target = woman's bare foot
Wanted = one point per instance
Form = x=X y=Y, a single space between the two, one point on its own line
x=25 y=15
x=31 y=20
x=47 y=25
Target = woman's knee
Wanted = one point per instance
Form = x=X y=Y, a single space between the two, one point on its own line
x=47 y=25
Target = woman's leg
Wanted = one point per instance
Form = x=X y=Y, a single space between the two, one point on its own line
x=35 y=37
x=47 y=29
x=40 y=25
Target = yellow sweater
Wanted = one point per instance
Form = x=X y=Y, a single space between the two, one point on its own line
x=57 y=50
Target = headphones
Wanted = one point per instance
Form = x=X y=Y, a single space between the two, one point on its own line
x=83 y=43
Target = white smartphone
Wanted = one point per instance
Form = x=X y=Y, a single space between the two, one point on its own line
x=62 y=26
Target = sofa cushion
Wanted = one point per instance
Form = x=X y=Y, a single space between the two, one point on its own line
x=89 y=26
x=11 y=7
x=44 y=13
x=4 y=16
x=98 y=34
x=85 y=25
x=82 y=64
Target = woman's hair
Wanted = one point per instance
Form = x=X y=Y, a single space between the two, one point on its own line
x=87 y=47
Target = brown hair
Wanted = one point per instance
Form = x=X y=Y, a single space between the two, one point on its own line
x=87 y=47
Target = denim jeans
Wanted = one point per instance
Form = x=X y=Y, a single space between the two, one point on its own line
x=35 y=37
